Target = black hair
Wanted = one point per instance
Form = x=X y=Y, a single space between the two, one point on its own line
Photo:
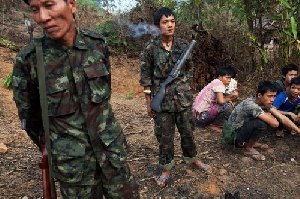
x=295 y=80
x=27 y=1
x=265 y=86
x=160 y=12
x=288 y=68
x=233 y=70
x=222 y=71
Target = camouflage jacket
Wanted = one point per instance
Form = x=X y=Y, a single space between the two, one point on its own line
x=78 y=88
x=156 y=65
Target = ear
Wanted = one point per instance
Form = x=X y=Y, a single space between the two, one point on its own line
x=73 y=5
x=259 y=95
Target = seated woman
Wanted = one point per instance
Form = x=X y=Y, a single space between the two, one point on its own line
x=211 y=107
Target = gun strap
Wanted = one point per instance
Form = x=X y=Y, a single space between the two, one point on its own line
x=43 y=101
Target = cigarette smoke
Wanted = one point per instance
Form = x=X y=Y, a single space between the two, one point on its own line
x=139 y=29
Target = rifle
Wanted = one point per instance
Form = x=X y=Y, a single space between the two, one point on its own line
x=43 y=164
x=49 y=191
x=29 y=29
x=158 y=98
x=47 y=182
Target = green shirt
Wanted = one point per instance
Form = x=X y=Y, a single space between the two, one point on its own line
x=78 y=88
x=156 y=65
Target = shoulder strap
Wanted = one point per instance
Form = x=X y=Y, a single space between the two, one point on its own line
x=43 y=100
x=280 y=84
x=290 y=97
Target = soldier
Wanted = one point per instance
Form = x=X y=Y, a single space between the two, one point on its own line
x=88 y=147
x=159 y=57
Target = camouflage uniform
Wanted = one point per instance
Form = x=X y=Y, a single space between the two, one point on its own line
x=88 y=145
x=156 y=64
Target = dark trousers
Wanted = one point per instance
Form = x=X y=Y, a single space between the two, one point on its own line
x=252 y=129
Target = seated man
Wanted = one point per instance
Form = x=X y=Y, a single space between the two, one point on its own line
x=232 y=87
x=211 y=106
x=288 y=72
x=287 y=103
x=251 y=118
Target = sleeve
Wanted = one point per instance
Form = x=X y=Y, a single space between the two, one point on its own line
x=279 y=100
x=278 y=87
x=219 y=88
x=253 y=109
x=108 y=65
x=26 y=97
x=146 y=68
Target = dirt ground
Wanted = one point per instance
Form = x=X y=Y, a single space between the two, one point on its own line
x=277 y=177
x=20 y=176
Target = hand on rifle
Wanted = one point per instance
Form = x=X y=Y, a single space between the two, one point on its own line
x=150 y=112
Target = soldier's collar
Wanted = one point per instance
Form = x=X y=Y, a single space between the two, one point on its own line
x=79 y=41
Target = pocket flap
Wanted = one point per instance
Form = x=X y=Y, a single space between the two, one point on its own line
x=67 y=147
x=96 y=70
x=57 y=84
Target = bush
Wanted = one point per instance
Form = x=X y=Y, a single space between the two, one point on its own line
x=7 y=82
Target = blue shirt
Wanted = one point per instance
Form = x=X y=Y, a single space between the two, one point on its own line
x=283 y=103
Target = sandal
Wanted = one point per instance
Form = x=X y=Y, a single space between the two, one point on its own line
x=206 y=168
x=161 y=181
x=255 y=156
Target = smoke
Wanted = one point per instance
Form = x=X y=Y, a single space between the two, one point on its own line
x=139 y=29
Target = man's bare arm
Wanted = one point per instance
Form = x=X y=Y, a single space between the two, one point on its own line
x=284 y=120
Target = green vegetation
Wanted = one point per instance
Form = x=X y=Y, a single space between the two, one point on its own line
x=129 y=95
x=113 y=33
x=7 y=44
x=7 y=82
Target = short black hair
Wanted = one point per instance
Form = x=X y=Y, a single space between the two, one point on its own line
x=233 y=70
x=288 y=68
x=222 y=71
x=160 y=12
x=295 y=80
x=265 y=86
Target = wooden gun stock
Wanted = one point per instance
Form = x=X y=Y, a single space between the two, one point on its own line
x=48 y=193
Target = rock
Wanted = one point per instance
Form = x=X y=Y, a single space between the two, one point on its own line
x=222 y=171
x=3 y=148
x=226 y=165
x=25 y=197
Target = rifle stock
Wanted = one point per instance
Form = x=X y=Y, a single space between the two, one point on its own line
x=47 y=183
x=156 y=102
x=158 y=98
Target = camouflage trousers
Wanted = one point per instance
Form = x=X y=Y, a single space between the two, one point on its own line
x=105 y=179
x=164 y=128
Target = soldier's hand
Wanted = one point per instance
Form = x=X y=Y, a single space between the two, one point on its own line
x=150 y=112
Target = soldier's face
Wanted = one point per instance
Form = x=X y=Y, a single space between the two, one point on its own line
x=54 y=16
x=167 y=25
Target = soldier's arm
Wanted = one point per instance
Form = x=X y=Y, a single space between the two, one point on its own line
x=26 y=97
